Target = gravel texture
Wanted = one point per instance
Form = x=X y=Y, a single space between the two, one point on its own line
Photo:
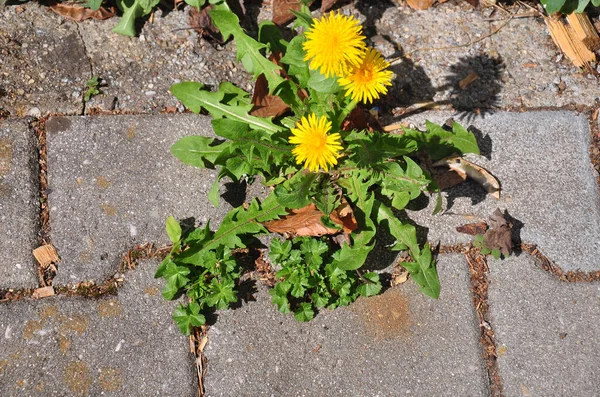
x=19 y=204
x=388 y=345
x=125 y=345
x=43 y=62
x=112 y=183
x=548 y=185
x=547 y=338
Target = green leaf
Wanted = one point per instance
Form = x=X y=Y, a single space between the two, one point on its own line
x=405 y=234
x=213 y=194
x=441 y=143
x=279 y=297
x=304 y=312
x=222 y=294
x=94 y=4
x=294 y=58
x=303 y=18
x=248 y=49
x=173 y=229
x=240 y=222
x=198 y=151
x=373 y=287
x=196 y=3
x=278 y=251
x=553 y=6
x=269 y=33
x=187 y=317
x=424 y=273
x=322 y=84
x=169 y=291
x=319 y=300
x=195 y=98
x=176 y=275
x=296 y=191
x=132 y=9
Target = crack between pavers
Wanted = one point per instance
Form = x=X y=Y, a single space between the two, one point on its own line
x=89 y=58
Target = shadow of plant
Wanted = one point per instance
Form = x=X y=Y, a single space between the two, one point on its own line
x=479 y=96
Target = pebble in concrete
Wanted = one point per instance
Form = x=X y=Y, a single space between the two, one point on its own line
x=125 y=345
x=547 y=335
x=19 y=205
x=548 y=183
x=43 y=62
x=399 y=343
x=112 y=183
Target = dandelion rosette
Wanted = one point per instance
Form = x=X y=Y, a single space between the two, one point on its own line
x=315 y=147
x=332 y=43
x=368 y=79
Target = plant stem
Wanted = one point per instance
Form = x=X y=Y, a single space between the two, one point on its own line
x=345 y=112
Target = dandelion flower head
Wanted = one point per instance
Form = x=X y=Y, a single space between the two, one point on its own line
x=333 y=42
x=315 y=147
x=368 y=79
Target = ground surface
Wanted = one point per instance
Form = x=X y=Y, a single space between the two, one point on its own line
x=108 y=183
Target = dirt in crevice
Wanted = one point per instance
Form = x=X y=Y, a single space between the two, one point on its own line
x=479 y=286
x=45 y=275
x=546 y=264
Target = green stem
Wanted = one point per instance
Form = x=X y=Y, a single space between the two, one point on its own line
x=345 y=112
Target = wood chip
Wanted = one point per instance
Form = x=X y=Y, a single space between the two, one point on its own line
x=565 y=38
x=584 y=30
x=46 y=255
x=43 y=292
x=202 y=343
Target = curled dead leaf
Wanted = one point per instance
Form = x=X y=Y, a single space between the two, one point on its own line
x=473 y=171
x=78 y=13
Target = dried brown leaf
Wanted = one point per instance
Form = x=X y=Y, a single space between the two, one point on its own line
x=328 y=4
x=499 y=236
x=361 y=119
x=473 y=229
x=202 y=23
x=473 y=171
x=344 y=216
x=419 y=4
x=449 y=178
x=282 y=10
x=78 y=13
x=305 y=221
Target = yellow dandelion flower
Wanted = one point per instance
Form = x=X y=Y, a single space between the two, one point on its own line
x=315 y=147
x=332 y=42
x=365 y=81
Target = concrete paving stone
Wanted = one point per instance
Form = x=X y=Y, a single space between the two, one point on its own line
x=399 y=343
x=547 y=335
x=518 y=66
x=140 y=74
x=112 y=183
x=43 y=64
x=19 y=204
x=548 y=183
x=124 y=345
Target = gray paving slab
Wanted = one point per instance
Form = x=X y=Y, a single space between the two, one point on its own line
x=43 y=63
x=124 y=345
x=517 y=64
x=399 y=343
x=548 y=183
x=547 y=334
x=140 y=74
x=19 y=204
x=112 y=183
